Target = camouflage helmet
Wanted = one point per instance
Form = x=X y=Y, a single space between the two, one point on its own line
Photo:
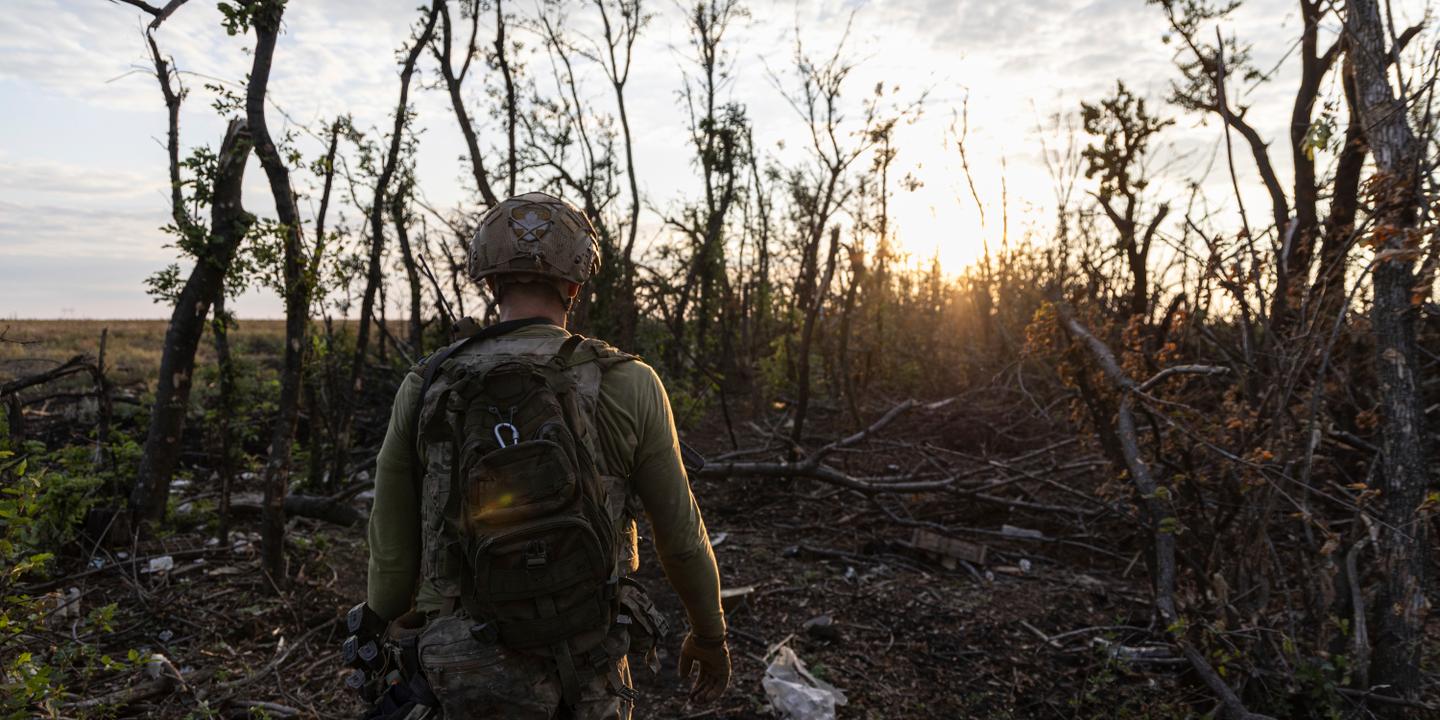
x=535 y=234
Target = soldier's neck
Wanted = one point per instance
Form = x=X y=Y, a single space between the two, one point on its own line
x=523 y=308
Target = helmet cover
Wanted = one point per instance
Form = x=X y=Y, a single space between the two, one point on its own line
x=535 y=234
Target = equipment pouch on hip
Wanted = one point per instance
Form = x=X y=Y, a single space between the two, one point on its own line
x=647 y=627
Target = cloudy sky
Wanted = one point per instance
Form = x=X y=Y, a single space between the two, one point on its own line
x=82 y=163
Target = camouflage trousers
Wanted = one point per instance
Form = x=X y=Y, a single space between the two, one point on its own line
x=476 y=679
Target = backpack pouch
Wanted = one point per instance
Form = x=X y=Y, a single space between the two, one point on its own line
x=517 y=483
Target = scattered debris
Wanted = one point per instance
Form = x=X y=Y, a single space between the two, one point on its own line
x=164 y=563
x=947 y=549
x=66 y=605
x=795 y=693
x=1152 y=653
x=823 y=628
x=1019 y=532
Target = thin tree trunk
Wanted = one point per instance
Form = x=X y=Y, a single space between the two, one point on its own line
x=1403 y=543
x=401 y=220
x=512 y=164
x=297 y=299
x=105 y=407
x=220 y=331
x=454 y=81
x=802 y=400
x=847 y=383
x=625 y=305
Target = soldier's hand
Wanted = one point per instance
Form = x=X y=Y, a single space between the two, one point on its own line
x=713 y=657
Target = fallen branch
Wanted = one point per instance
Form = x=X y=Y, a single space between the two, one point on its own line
x=269 y=708
x=162 y=685
x=69 y=367
x=1155 y=513
x=812 y=466
x=5 y=337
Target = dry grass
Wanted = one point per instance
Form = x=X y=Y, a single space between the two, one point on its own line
x=132 y=354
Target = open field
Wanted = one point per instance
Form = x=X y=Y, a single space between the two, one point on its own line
x=132 y=354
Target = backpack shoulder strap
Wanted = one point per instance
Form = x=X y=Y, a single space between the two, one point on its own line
x=579 y=350
x=430 y=367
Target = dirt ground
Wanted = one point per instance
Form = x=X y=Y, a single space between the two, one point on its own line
x=827 y=573
x=1049 y=623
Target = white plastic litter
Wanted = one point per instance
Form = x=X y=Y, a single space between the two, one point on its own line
x=164 y=563
x=796 y=694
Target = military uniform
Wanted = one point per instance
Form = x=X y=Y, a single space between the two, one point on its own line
x=639 y=462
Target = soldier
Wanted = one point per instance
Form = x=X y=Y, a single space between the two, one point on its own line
x=506 y=493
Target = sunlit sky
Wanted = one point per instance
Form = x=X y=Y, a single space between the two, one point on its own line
x=83 y=190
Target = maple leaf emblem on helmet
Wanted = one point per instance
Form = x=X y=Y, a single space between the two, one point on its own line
x=530 y=227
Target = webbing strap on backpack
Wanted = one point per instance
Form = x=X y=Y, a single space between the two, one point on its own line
x=438 y=358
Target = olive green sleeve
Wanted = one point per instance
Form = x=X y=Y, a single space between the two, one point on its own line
x=681 y=540
x=394 y=531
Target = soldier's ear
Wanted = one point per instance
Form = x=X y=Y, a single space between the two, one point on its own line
x=571 y=289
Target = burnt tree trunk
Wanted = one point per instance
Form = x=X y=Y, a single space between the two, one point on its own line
x=228 y=225
x=1329 y=290
x=1403 y=542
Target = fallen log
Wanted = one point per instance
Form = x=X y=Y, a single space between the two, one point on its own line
x=317 y=507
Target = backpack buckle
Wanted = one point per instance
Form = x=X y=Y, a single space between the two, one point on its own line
x=536 y=555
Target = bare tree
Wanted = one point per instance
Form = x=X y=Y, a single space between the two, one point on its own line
x=443 y=48
x=820 y=190
x=401 y=217
x=376 y=215
x=718 y=131
x=622 y=21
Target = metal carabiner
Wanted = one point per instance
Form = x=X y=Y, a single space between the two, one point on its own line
x=514 y=434
x=505 y=423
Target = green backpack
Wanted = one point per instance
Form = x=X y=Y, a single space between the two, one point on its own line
x=514 y=499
